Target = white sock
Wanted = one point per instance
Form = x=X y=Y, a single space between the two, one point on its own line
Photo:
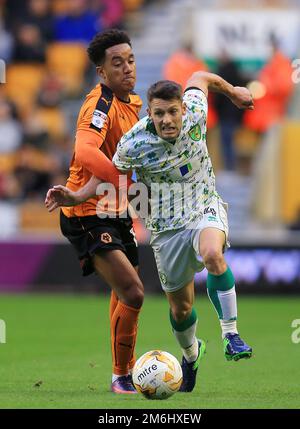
x=191 y=353
x=187 y=337
x=227 y=301
x=228 y=326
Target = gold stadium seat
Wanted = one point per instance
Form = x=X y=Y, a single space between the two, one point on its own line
x=53 y=120
x=60 y=7
x=34 y=217
x=132 y=5
x=23 y=82
x=68 y=61
x=7 y=162
x=246 y=141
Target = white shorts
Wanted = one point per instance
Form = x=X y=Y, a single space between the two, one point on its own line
x=176 y=252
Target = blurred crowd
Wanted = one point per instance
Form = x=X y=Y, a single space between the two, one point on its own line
x=43 y=44
x=271 y=87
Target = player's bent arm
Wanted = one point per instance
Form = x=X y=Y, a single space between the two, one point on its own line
x=89 y=190
x=206 y=81
x=61 y=196
x=210 y=82
x=88 y=155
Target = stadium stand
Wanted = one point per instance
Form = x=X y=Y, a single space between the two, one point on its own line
x=45 y=95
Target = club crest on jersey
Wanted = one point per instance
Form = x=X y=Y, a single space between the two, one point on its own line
x=106 y=238
x=99 y=118
x=195 y=133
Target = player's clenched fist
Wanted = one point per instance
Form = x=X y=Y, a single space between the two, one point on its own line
x=242 y=98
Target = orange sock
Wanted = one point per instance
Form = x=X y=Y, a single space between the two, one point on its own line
x=123 y=336
x=113 y=304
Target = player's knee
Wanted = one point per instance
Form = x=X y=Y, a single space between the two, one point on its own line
x=180 y=314
x=213 y=260
x=134 y=293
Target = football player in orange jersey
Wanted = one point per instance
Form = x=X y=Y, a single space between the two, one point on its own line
x=108 y=246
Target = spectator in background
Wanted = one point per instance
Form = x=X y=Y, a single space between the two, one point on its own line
x=35 y=164
x=51 y=92
x=10 y=130
x=295 y=225
x=11 y=135
x=40 y=15
x=33 y=173
x=112 y=13
x=80 y=24
x=179 y=68
x=14 y=13
x=29 y=45
x=277 y=85
x=6 y=40
x=230 y=117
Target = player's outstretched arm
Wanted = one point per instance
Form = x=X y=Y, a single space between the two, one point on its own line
x=61 y=196
x=240 y=96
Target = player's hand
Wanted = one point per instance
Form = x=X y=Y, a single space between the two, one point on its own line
x=242 y=98
x=60 y=196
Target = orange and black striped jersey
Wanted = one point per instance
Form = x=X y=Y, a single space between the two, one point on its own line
x=102 y=121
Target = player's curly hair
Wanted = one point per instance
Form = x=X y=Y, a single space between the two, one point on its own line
x=164 y=89
x=103 y=41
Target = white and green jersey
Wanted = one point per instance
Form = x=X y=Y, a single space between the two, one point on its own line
x=179 y=174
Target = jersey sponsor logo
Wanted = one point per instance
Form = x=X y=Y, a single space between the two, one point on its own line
x=185 y=169
x=99 y=118
x=106 y=238
x=195 y=133
x=210 y=210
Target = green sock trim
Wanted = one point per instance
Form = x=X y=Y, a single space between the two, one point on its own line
x=187 y=323
x=216 y=303
x=222 y=282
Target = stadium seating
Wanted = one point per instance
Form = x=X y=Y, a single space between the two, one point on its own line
x=53 y=120
x=59 y=7
x=132 y=5
x=68 y=61
x=7 y=162
x=34 y=218
x=23 y=84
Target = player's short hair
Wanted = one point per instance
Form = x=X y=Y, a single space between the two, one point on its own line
x=164 y=89
x=103 y=41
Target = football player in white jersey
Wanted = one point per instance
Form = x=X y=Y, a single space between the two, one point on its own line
x=188 y=219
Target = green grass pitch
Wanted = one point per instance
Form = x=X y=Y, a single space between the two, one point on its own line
x=57 y=354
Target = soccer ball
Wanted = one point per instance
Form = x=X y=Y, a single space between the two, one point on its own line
x=157 y=375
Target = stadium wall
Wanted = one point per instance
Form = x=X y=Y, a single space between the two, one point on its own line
x=52 y=267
